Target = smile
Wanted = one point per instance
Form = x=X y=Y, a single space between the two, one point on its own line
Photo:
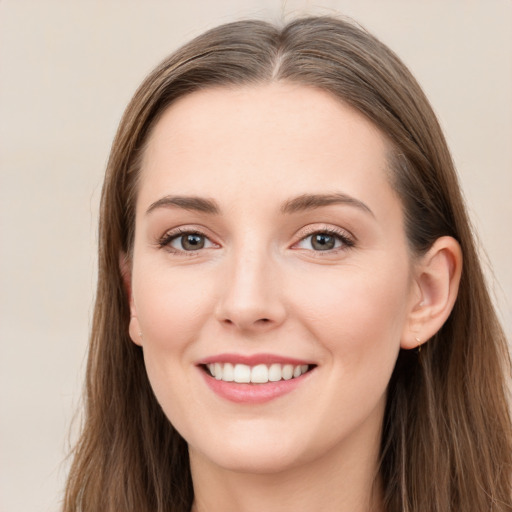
x=258 y=374
x=254 y=379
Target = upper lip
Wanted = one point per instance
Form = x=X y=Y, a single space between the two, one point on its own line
x=252 y=360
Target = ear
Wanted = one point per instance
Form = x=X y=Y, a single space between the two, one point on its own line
x=436 y=282
x=125 y=267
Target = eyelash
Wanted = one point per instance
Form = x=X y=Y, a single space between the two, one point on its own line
x=165 y=241
x=347 y=241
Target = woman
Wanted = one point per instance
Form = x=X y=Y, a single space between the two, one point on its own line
x=290 y=311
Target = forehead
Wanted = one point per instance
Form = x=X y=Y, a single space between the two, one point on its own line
x=272 y=139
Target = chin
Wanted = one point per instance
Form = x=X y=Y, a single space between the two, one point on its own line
x=259 y=447
x=253 y=460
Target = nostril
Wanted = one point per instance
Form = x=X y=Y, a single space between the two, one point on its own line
x=248 y=322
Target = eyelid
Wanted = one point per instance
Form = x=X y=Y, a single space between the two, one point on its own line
x=165 y=240
x=348 y=240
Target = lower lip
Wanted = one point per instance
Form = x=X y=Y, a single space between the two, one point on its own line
x=253 y=393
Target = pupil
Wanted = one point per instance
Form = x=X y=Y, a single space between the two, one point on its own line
x=323 y=242
x=192 y=242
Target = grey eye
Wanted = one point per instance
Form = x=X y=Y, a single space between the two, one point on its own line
x=323 y=242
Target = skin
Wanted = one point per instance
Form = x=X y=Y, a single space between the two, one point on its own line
x=259 y=286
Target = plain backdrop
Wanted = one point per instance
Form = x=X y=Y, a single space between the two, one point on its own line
x=68 y=69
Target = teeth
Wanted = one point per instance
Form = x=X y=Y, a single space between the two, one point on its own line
x=275 y=372
x=228 y=373
x=242 y=373
x=288 y=371
x=259 y=374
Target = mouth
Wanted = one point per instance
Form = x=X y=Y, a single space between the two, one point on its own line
x=255 y=374
x=254 y=379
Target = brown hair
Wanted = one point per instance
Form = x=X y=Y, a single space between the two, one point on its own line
x=447 y=437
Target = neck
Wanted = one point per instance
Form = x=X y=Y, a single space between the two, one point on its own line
x=343 y=480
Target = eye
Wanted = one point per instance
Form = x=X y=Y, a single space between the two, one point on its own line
x=324 y=241
x=186 y=241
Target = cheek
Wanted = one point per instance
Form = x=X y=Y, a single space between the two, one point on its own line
x=173 y=306
x=170 y=306
x=170 y=309
x=357 y=326
x=360 y=320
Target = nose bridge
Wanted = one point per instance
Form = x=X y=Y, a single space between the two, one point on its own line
x=251 y=297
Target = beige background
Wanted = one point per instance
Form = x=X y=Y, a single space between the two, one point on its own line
x=68 y=68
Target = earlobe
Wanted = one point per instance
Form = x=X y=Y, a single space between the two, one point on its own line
x=437 y=278
x=126 y=273
x=134 y=330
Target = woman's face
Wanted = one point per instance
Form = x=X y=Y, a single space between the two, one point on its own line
x=271 y=280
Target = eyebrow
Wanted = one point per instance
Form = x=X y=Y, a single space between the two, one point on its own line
x=193 y=203
x=312 y=201
x=297 y=204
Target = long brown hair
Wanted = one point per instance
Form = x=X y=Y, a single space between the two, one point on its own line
x=447 y=436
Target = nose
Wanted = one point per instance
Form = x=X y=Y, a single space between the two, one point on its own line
x=251 y=298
